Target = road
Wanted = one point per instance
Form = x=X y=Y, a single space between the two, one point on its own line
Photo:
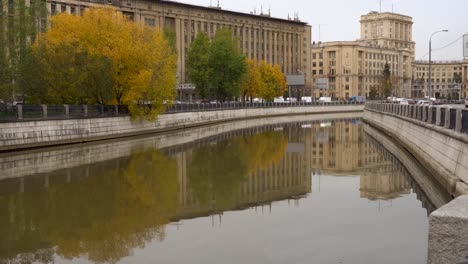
x=461 y=106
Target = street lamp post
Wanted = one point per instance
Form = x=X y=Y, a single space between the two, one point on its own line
x=430 y=62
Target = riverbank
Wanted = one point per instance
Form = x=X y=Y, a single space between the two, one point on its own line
x=443 y=152
x=33 y=134
x=46 y=160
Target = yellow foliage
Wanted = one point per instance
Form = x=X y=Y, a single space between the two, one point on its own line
x=143 y=64
x=252 y=82
x=273 y=83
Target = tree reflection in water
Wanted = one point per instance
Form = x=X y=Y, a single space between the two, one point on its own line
x=217 y=171
x=110 y=208
x=118 y=207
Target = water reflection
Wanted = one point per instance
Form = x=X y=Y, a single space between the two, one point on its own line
x=102 y=212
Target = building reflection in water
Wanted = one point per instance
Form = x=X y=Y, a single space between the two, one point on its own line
x=104 y=211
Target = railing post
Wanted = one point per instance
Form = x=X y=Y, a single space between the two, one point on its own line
x=44 y=111
x=424 y=114
x=19 y=111
x=447 y=117
x=67 y=110
x=85 y=110
x=429 y=115
x=459 y=120
x=116 y=109
x=438 y=112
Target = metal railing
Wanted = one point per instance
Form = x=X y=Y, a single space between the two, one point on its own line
x=444 y=116
x=54 y=112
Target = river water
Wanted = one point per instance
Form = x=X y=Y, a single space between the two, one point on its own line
x=301 y=192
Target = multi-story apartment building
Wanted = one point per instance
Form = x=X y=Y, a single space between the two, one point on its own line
x=351 y=68
x=449 y=79
x=261 y=37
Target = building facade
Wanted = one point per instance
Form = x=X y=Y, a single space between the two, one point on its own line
x=449 y=79
x=343 y=69
x=261 y=37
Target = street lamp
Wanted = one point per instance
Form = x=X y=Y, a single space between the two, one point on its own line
x=430 y=62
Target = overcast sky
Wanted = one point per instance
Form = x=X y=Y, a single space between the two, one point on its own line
x=339 y=19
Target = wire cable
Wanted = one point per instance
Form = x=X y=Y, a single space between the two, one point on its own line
x=446 y=46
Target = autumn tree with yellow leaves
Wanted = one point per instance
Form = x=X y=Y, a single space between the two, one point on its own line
x=252 y=82
x=273 y=81
x=102 y=57
x=263 y=80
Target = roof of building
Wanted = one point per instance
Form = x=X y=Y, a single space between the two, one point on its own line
x=375 y=13
x=217 y=9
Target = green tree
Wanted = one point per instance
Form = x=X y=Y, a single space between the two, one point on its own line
x=227 y=65
x=373 y=94
x=80 y=78
x=217 y=67
x=18 y=26
x=386 y=82
x=198 y=69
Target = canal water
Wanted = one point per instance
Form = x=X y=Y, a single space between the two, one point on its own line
x=304 y=192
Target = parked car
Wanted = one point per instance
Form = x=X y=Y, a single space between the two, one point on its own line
x=359 y=99
x=404 y=102
x=466 y=102
x=411 y=101
x=325 y=99
x=423 y=102
x=436 y=102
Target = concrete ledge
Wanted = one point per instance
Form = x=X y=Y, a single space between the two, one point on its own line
x=448 y=233
x=24 y=135
x=444 y=154
x=431 y=188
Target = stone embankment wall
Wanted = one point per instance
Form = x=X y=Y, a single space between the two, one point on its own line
x=444 y=152
x=30 y=134
x=46 y=160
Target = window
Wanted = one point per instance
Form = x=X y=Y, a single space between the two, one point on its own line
x=53 y=8
x=150 y=22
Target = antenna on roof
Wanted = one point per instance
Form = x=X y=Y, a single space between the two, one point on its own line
x=218 y=3
x=261 y=10
x=269 y=11
x=380 y=6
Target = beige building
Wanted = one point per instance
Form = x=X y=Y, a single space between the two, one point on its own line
x=343 y=69
x=449 y=78
x=261 y=37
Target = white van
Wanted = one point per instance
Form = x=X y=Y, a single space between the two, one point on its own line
x=306 y=99
x=279 y=99
x=325 y=100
